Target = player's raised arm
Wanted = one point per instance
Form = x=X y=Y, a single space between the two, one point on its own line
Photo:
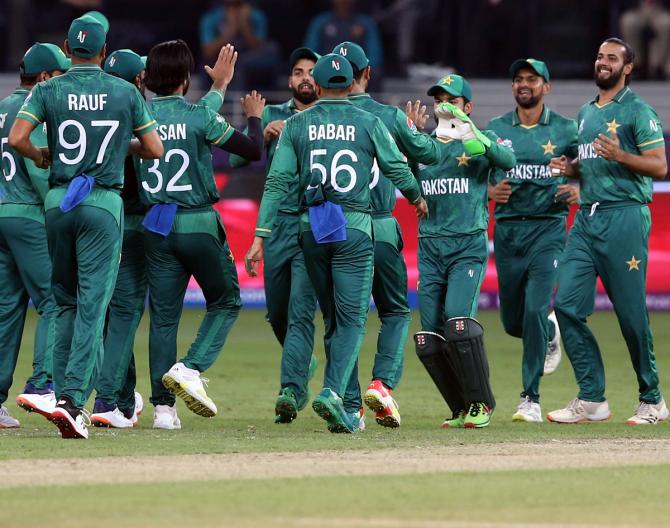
x=416 y=145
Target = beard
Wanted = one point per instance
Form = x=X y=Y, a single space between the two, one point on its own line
x=608 y=82
x=530 y=102
x=304 y=96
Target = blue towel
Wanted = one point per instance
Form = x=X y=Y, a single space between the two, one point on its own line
x=77 y=191
x=328 y=222
x=160 y=218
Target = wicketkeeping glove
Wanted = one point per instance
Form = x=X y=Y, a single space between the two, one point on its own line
x=453 y=123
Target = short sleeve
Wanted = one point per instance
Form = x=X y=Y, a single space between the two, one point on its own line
x=143 y=121
x=648 y=129
x=32 y=109
x=217 y=129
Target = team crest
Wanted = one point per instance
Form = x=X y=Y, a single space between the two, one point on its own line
x=335 y=64
x=112 y=61
x=471 y=273
x=81 y=37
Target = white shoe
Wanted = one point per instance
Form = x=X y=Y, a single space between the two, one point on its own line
x=6 y=421
x=649 y=413
x=113 y=418
x=165 y=417
x=553 y=357
x=69 y=426
x=527 y=411
x=578 y=411
x=188 y=385
x=139 y=407
x=43 y=404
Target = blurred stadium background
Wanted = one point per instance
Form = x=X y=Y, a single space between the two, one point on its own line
x=411 y=43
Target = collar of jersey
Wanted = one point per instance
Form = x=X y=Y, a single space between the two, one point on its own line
x=20 y=90
x=167 y=97
x=340 y=100
x=85 y=67
x=544 y=118
x=358 y=95
x=616 y=99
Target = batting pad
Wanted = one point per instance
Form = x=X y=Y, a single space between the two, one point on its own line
x=465 y=348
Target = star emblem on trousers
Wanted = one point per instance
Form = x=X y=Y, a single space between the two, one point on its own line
x=633 y=264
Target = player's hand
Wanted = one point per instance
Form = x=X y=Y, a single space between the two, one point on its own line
x=500 y=192
x=567 y=193
x=421 y=208
x=273 y=130
x=253 y=257
x=608 y=147
x=222 y=72
x=560 y=166
x=417 y=113
x=44 y=160
x=253 y=104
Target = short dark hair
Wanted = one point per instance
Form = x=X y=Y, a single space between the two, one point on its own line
x=628 y=52
x=358 y=74
x=168 y=65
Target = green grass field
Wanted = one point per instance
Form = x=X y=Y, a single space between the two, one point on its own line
x=244 y=384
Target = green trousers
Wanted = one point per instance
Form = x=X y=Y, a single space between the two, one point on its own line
x=291 y=302
x=451 y=271
x=25 y=272
x=341 y=273
x=171 y=262
x=527 y=253
x=389 y=291
x=85 y=249
x=611 y=242
x=116 y=383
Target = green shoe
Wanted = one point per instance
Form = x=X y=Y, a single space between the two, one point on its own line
x=479 y=415
x=329 y=406
x=457 y=421
x=307 y=394
x=286 y=406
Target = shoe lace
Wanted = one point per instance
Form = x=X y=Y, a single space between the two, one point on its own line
x=525 y=404
x=644 y=409
x=574 y=405
x=205 y=381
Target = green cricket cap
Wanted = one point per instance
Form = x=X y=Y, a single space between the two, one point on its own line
x=44 y=57
x=452 y=84
x=537 y=66
x=302 y=53
x=354 y=54
x=333 y=71
x=87 y=36
x=125 y=63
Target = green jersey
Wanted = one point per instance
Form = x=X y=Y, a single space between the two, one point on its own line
x=456 y=188
x=638 y=128
x=533 y=186
x=416 y=147
x=183 y=175
x=290 y=204
x=336 y=143
x=91 y=117
x=23 y=182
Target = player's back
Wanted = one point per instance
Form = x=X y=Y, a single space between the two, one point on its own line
x=333 y=141
x=183 y=175
x=90 y=117
x=15 y=186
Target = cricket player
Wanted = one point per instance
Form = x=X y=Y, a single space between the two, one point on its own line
x=117 y=404
x=530 y=234
x=25 y=267
x=621 y=149
x=389 y=282
x=90 y=118
x=453 y=252
x=184 y=235
x=289 y=295
x=331 y=149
